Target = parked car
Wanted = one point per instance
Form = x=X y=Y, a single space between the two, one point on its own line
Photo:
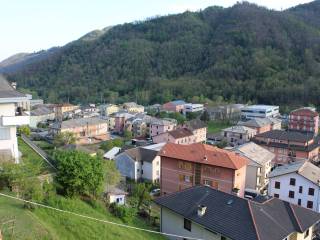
x=155 y=192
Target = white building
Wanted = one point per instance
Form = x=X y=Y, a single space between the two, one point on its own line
x=11 y=116
x=116 y=195
x=297 y=183
x=139 y=163
x=259 y=111
x=259 y=165
x=191 y=108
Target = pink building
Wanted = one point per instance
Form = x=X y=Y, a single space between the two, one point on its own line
x=159 y=126
x=120 y=121
x=178 y=136
x=174 y=106
x=305 y=120
x=185 y=166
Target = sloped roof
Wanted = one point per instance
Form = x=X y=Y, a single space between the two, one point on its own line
x=255 y=153
x=180 y=133
x=6 y=91
x=79 y=122
x=303 y=168
x=142 y=154
x=287 y=135
x=195 y=124
x=256 y=122
x=239 y=129
x=205 y=154
x=238 y=218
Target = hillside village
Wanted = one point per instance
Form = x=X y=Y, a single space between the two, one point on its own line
x=172 y=167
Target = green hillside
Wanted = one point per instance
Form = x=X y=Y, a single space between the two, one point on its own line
x=240 y=54
x=44 y=223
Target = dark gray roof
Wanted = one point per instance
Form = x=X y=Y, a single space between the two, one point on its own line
x=238 y=218
x=6 y=91
x=287 y=135
x=142 y=154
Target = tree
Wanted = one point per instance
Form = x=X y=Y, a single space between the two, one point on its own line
x=205 y=116
x=106 y=146
x=141 y=195
x=78 y=173
x=64 y=138
x=127 y=135
x=112 y=175
x=25 y=130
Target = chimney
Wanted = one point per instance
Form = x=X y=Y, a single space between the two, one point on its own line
x=201 y=210
x=205 y=158
x=14 y=85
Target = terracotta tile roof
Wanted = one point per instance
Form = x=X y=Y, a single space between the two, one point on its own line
x=206 y=154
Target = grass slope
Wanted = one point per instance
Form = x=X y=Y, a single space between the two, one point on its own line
x=217 y=126
x=44 y=223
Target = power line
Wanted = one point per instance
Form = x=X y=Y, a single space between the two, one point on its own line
x=99 y=220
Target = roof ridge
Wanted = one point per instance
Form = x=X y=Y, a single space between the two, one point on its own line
x=253 y=220
x=295 y=217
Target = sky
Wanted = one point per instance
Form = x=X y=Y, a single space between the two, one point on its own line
x=33 y=25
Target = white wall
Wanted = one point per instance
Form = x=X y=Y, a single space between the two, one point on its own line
x=113 y=198
x=285 y=187
x=174 y=224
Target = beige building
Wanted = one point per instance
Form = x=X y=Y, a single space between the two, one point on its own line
x=108 y=109
x=61 y=109
x=237 y=135
x=198 y=128
x=259 y=165
x=133 y=107
x=86 y=130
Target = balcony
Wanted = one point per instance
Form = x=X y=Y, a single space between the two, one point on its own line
x=15 y=120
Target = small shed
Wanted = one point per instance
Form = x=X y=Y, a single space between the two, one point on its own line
x=116 y=195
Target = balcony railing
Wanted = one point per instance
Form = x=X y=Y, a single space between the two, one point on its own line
x=15 y=120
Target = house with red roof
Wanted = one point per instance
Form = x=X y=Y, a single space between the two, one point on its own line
x=184 y=166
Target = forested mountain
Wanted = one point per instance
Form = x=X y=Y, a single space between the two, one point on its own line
x=242 y=53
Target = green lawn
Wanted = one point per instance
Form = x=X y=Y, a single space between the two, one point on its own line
x=217 y=126
x=44 y=223
x=28 y=154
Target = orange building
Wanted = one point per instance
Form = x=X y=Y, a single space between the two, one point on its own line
x=184 y=166
x=304 y=120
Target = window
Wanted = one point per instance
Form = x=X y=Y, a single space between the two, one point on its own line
x=187 y=224
x=306 y=234
x=277 y=185
x=4 y=133
x=141 y=162
x=276 y=195
x=309 y=204
x=311 y=191
x=291 y=194
x=141 y=171
x=300 y=189
x=299 y=202
x=292 y=181
x=207 y=182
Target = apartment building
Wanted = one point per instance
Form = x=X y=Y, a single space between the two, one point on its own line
x=304 y=120
x=184 y=166
x=11 y=116
x=259 y=111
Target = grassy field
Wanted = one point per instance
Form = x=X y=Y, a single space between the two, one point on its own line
x=44 y=223
x=28 y=154
x=217 y=126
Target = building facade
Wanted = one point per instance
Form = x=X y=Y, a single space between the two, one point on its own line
x=289 y=145
x=259 y=111
x=174 y=106
x=305 y=120
x=184 y=166
x=297 y=183
x=201 y=212
x=178 y=136
x=158 y=126
x=237 y=135
x=11 y=116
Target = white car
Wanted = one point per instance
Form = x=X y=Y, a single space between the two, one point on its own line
x=155 y=192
